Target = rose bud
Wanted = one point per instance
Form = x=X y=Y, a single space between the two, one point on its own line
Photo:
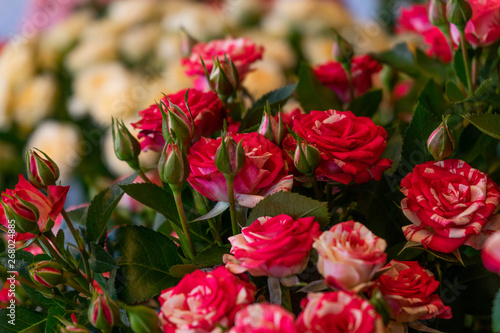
x=441 y=142
x=27 y=222
x=490 y=253
x=223 y=78
x=176 y=126
x=306 y=158
x=47 y=273
x=458 y=12
x=143 y=319
x=437 y=13
x=42 y=172
x=272 y=128
x=127 y=148
x=230 y=156
x=173 y=166
x=342 y=51
x=74 y=329
x=103 y=312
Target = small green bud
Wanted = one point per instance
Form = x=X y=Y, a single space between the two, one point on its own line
x=458 y=12
x=103 y=312
x=23 y=213
x=437 y=13
x=230 y=156
x=173 y=166
x=306 y=158
x=127 y=147
x=42 y=172
x=441 y=142
x=143 y=319
x=224 y=78
x=176 y=126
x=47 y=273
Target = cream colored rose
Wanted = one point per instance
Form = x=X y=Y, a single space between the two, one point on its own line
x=91 y=51
x=60 y=141
x=239 y=12
x=17 y=63
x=201 y=20
x=275 y=49
x=138 y=42
x=317 y=50
x=266 y=76
x=104 y=91
x=130 y=12
x=58 y=38
x=34 y=101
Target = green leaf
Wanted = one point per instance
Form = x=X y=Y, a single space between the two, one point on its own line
x=312 y=95
x=367 y=104
x=432 y=98
x=207 y=258
x=292 y=204
x=79 y=215
x=218 y=209
x=432 y=67
x=488 y=123
x=102 y=207
x=459 y=66
x=496 y=314
x=100 y=260
x=400 y=58
x=454 y=94
x=415 y=149
x=145 y=258
x=25 y=321
x=485 y=93
x=154 y=197
x=52 y=321
x=276 y=99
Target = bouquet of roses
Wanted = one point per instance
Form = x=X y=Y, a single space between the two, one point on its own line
x=336 y=216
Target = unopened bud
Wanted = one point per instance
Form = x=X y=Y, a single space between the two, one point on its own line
x=47 y=273
x=306 y=158
x=143 y=319
x=22 y=212
x=173 y=166
x=224 y=78
x=437 y=13
x=342 y=51
x=103 y=312
x=441 y=142
x=458 y=12
x=127 y=148
x=230 y=156
x=42 y=172
x=176 y=126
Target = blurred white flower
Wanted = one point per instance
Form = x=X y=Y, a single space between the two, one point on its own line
x=140 y=41
x=275 y=49
x=91 y=51
x=266 y=76
x=130 y=12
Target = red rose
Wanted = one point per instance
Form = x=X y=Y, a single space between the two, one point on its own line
x=415 y=19
x=272 y=246
x=264 y=318
x=241 y=50
x=32 y=210
x=338 y=312
x=448 y=202
x=483 y=29
x=333 y=75
x=263 y=173
x=349 y=254
x=205 y=107
x=350 y=146
x=202 y=301
x=409 y=290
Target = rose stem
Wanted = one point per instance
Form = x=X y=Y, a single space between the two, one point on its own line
x=144 y=177
x=75 y=285
x=463 y=44
x=315 y=186
x=202 y=209
x=81 y=246
x=351 y=84
x=288 y=298
x=232 y=204
x=190 y=251
x=52 y=251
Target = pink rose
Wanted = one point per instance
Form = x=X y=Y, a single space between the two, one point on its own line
x=483 y=29
x=202 y=301
x=33 y=210
x=332 y=75
x=491 y=253
x=350 y=146
x=272 y=246
x=409 y=290
x=241 y=50
x=415 y=19
x=263 y=173
x=264 y=318
x=338 y=312
x=205 y=107
x=349 y=254
x=448 y=202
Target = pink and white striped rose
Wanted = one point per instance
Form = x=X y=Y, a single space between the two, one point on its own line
x=349 y=254
x=449 y=204
x=264 y=318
